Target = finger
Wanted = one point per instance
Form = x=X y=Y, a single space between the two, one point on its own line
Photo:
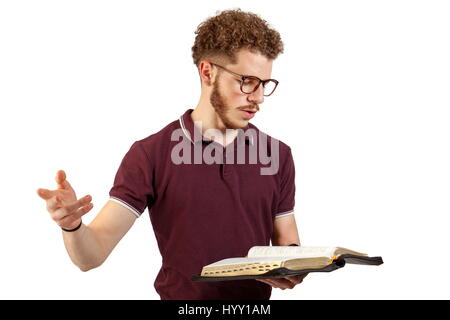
x=61 y=180
x=79 y=203
x=83 y=210
x=264 y=281
x=292 y=280
x=60 y=212
x=283 y=283
x=77 y=215
x=45 y=193
x=295 y=279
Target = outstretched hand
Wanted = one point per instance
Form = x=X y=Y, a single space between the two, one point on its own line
x=284 y=283
x=62 y=203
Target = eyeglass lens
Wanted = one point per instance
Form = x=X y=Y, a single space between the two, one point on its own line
x=249 y=85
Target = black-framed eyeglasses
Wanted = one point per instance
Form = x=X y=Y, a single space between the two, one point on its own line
x=250 y=84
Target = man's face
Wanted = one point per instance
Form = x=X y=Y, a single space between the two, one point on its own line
x=227 y=98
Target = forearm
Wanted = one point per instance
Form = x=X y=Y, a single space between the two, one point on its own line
x=286 y=241
x=84 y=248
x=285 y=232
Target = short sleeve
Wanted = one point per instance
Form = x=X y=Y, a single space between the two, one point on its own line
x=133 y=181
x=287 y=187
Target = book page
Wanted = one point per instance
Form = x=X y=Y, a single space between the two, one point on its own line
x=291 y=251
x=236 y=261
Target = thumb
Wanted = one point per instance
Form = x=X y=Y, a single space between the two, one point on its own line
x=61 y=180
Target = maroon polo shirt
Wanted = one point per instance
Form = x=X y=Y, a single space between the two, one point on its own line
x=204 y=212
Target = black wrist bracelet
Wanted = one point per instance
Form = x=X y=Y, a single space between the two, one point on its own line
x=75 y=229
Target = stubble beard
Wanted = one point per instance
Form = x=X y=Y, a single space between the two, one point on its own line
x=221 y=108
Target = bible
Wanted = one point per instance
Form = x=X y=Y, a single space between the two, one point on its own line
x=281 y=261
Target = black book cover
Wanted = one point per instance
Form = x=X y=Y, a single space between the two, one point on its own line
x=283 y=272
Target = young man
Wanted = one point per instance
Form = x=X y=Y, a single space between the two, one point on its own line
x=207 y=197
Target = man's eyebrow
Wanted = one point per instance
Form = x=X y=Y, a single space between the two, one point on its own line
x=250 y=76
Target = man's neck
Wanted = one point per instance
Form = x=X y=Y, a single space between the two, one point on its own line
x=210 y=120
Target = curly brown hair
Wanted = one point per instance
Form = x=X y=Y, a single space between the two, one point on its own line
x=226 y=33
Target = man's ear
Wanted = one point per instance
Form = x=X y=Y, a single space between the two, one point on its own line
x=206 y=73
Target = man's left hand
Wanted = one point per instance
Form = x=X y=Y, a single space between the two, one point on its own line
x=284 y=283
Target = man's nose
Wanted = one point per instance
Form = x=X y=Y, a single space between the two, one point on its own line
x=257 y=96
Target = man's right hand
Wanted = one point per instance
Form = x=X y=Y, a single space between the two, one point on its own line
x=62 y=203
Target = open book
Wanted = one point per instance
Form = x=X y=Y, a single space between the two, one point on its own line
x=281 y=261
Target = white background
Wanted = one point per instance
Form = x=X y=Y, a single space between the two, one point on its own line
x=363 y=102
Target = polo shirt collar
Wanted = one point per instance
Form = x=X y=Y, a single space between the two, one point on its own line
x=195 y=136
